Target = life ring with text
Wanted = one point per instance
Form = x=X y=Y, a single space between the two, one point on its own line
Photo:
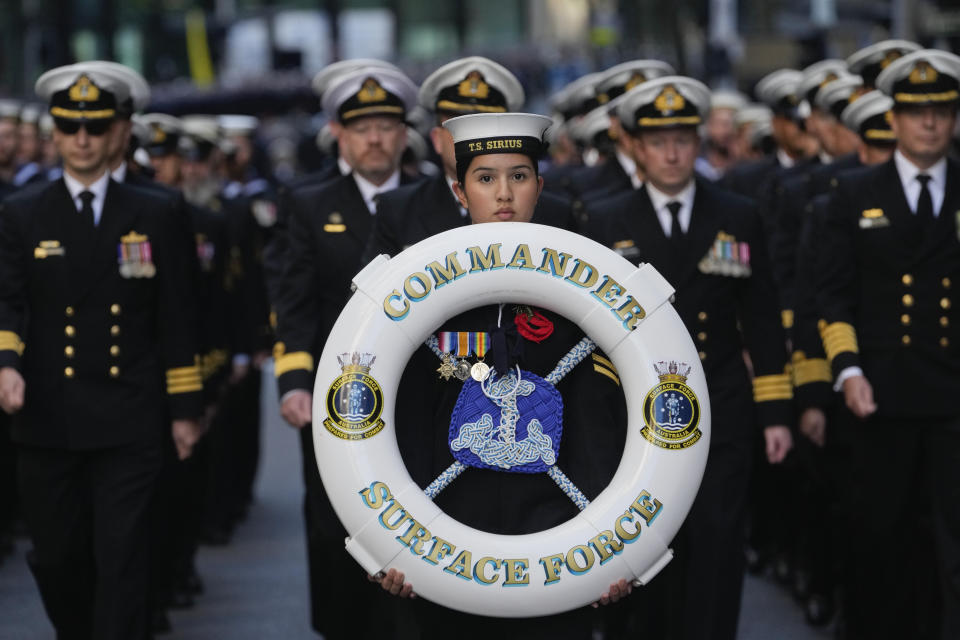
x=392 y=523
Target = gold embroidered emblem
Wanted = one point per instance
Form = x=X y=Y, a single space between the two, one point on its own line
x=888 y=117
x=827 y=79
x=473 y=86
x=371 y=91
x=923 y=73
x=669 y=101
x=872 y=213
x=890 y=57
x=159 y=135
x=636 y=79
x=83 y=90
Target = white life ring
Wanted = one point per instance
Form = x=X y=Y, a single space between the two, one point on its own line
x=623 y=533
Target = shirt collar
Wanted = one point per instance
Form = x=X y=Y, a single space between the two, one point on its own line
x=909 y=171
x=368 y=190
x=659 y=199
x=784 y=159
x=628 y=164
x=120 y=173
x=344 y=166
x=98 y=188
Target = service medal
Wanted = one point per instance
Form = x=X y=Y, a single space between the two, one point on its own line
x=480 y=371
x=462 y=370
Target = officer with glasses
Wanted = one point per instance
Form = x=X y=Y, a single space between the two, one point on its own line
x=98 y=362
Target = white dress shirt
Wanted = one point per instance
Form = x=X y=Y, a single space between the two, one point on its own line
x=629 y=166
x=98 y=189
x=937 y=184
x=784 y=159
x=344 y=166
x=120 y=173
x=660 y=201
x=369 y=190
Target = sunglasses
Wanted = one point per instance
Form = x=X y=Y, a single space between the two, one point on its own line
x=92 y=127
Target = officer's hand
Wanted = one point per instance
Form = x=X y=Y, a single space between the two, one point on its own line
x=12 y=387
x=779 y=442
x=813 y=424
x=393 y=583
x=297 y=408
x=186 y=433
x=859 y=396
x=617 y=591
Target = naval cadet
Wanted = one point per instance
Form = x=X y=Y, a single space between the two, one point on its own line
x=502 y=185
x=98 y=354
x=411 y=213
x=328 y=229
x=871 y=60
x=886 y=295
x=710 y=245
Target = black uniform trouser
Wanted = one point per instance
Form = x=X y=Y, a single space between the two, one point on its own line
x=87 y=513
x=697 y=595
x=905 y=529
x=344 y=604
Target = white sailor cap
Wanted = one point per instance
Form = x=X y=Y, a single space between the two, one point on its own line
x=137 y=86
x=10 y=110
x=577 y=98
x=779 y=90
x=870 y=61
x=870 y=115
x=619 y=79
x=927 y=76
x=163 y=132
x=753 y=113
x=325 y=77
x=30 y=113
x=202 y=128
x=834 y=97
x=597 y=122
x=236 y=124
x=45 y=125
x=670 y=101
x=486 y=133
x=727 y=99
x=88 y=94
x=819 y=75
x=471 y=85
x=369 y=92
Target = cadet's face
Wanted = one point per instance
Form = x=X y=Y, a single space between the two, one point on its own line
x=83 y=154
x=373 y=145
x=167 y=169
x=924 y=133
x=720 y=126
x=668 y=157
x=500 y=187
x=8 y=142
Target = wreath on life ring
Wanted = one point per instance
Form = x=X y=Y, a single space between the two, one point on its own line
x=393 y=523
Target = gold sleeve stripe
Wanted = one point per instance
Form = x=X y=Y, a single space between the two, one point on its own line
x=184 y=387
x=810 y=371
x=183 y=372
x=604 y=362
x=9 y=341
x=772 y=387
x=786 y=318
x=292 y=362
x=839 y=337
x=607 y=372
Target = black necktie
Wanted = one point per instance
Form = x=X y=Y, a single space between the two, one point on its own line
x=86 y=208
x=676 y=231
x=924 y=202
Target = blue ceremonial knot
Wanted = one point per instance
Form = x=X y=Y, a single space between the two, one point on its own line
x=516 y=428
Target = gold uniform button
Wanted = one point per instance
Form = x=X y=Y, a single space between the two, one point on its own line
x=69 y=311
x=702 y=336
x=905 y=340
x=70 y=330
x=69 y=351
x=115 y=330
x=907 y=279
x=114 y=350
x=702 y=316
x=114 y=309
x=703 y=355
x=905 y=319
x=944 y=321
x=946 y=283
x=907 y=300
x=944 y=303
x=114 y=372
x=944 y=342
x=68 y=372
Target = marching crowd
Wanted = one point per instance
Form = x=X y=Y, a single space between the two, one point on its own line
x=148 y=271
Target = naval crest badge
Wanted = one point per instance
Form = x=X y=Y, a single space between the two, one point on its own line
x=671 y=411
x=354 y=400
x=135 y=256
